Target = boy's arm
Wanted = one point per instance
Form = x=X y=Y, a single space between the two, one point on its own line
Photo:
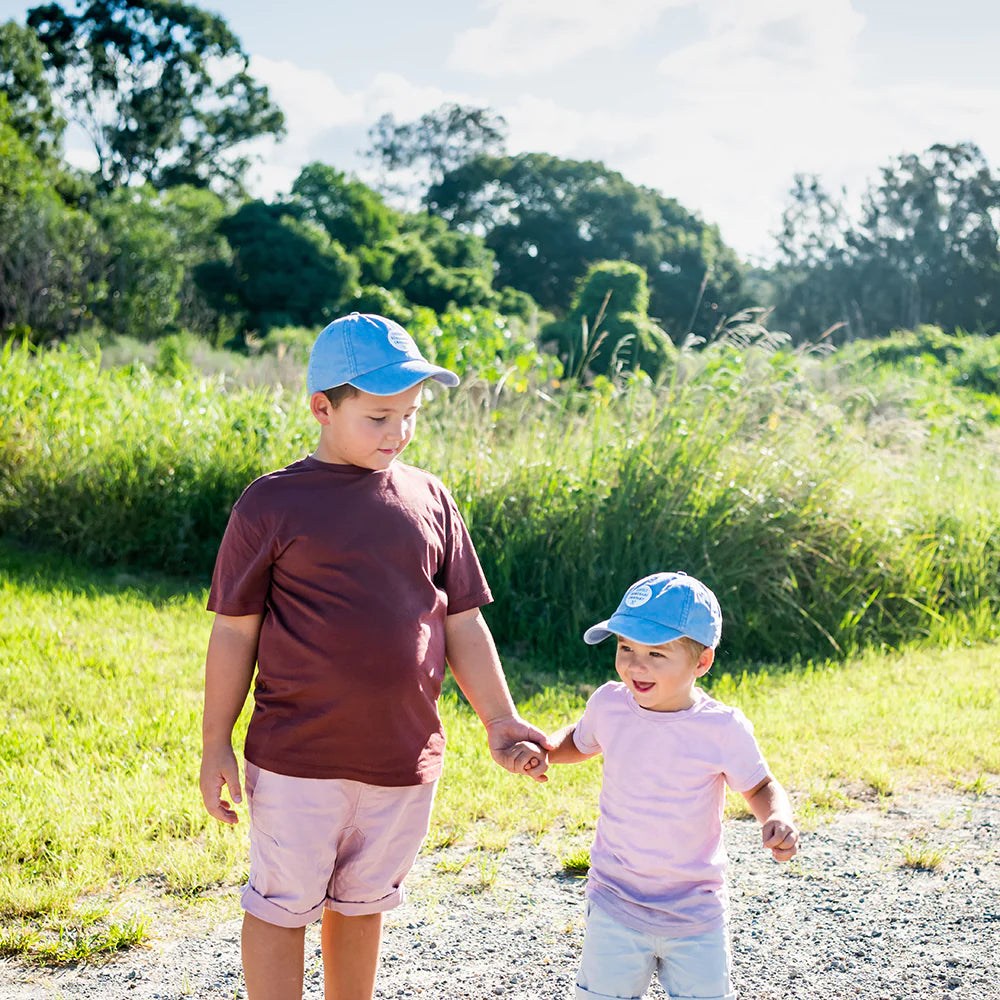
x=564 y=749
x=475 y=664
x=769 y=803
x=229 y=666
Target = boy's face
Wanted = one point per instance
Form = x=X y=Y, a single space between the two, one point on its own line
x=661 y=678
x=365 y=430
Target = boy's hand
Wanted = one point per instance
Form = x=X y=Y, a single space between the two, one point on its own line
x=518 y=747
x=218 y=768
x=781 y=838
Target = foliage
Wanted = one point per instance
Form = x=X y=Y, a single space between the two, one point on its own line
x=934 y=363
x=423 y=151
x=154 y=241
x=608 y=329
x=285 y=270
x=547 y=220
x=147 y=80
x=349 y=211
x=30 y=111
x=822 y=525
x=924 y=249
x=143 y=272
x=480 y=343
x=47 y=248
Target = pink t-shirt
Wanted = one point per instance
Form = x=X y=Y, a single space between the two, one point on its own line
x=658 y=861
x=355 y=572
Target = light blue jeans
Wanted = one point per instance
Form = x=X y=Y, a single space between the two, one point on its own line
x=618 y=963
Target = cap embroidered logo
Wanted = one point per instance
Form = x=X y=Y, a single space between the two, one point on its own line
x=639 y=596
x=403 y=342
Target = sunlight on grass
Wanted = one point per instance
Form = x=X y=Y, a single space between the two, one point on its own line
x=99 y=746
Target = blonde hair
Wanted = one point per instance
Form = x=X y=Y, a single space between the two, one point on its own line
x=693 y=646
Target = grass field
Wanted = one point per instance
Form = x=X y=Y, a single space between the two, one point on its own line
x=100 y=691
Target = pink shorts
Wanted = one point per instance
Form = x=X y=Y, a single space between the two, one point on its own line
x=329 y=842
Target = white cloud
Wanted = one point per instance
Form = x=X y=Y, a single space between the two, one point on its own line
x=529 y=36
x=765 y=89
x=310 y=99
x=394 y=94
x=313 y=104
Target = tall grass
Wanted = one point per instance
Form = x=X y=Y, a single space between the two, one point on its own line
x=822 y=527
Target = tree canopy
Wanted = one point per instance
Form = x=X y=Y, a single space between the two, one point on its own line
x=31 y=112
x=48 y=277
x=608 y=329
x=417 y=154
x=160 y=86
x=548 y=220
x=924 y=248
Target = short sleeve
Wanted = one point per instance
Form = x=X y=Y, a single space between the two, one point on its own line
x=744 y=766
x=460 y=576
x=241 y=580
x=585 y=733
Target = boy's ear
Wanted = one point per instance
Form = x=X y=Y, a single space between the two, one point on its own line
x=704 y=663
x=320 y=407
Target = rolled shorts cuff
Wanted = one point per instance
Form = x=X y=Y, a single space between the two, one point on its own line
x=389 y=902
x=582 y=994
x=263 y=909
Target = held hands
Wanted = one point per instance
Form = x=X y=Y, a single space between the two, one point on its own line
x=525 y=758
x=519 y=747
x=218 y=768
x=781 y=838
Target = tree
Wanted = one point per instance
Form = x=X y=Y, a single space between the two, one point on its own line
x=154 y=241
x=924 y=249
x=813 y=288
x=548 y=220
x=147 y=80
x=351 y=212
x=48 y=250
x=608 y=328
x=285 y=271
x=415 y=259
x=143 y=275
x=415 y=155
x=928 y=239
x=31 y=111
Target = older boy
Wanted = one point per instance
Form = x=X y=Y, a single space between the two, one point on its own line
x=656 y=890
x=348 y=579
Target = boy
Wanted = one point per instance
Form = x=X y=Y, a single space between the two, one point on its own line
x=348 y=579
x=656 y=890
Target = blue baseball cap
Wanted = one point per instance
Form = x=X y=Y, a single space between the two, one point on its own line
x=372 y=353
x=661 y=608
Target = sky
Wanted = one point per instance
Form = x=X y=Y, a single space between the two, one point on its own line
x=716 y=103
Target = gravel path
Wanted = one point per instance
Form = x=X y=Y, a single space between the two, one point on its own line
x=845 y=919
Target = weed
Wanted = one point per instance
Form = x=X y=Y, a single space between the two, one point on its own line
x=881 y=782
x=978 y=786
x=486 y=872
x=452 y=866
x=922 y=856
x=576 y=862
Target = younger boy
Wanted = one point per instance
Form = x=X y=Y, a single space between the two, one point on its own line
x=656 y=890
x=347 y=579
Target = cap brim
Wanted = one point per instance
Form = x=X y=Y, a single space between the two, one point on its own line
x=640 y=630
x=401 y=376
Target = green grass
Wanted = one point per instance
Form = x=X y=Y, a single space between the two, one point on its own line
x=101 y=821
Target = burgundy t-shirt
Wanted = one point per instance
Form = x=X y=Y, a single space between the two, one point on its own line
x=355 y=572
